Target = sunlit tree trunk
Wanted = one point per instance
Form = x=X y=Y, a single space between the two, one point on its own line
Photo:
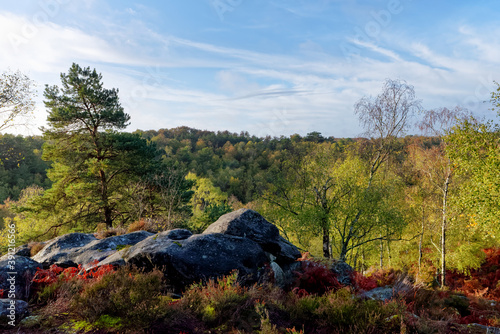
x=443 y=231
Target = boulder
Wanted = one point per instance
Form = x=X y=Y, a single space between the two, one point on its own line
x=73 y=249
x=12 y=311
x=117 y=259
x=178 y=234
x=16 y=273
x=343 y=271
x=278 y=275
x=249 y=224
x=63 y=250
x=199 y=257
x=478 y=328
x=288 y=252
x=382 y=293
x=23 y=250
x=98 y=250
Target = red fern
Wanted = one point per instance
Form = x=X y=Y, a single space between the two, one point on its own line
x=483 y=281
x=315 y=278
x=361 y=282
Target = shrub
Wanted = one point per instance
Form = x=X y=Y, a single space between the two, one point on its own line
x=138 y=225
x=219 y=302
x=35 y=247
x=385 y=277
x=47 y=282
x=362 y=283
x=315 y=278
x=483 y=281
x=103 y=232
x=125 y=294
x=143 y=225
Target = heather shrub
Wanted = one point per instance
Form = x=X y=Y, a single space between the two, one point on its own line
x=141 y=225
x=341 y=312
x=315 y=278
x=384 y=277
x=221 y=303
x=361 y=282
x=35 y=247
x=138 y=225
x=102 y=231
x=345 y=314
x=126 y=294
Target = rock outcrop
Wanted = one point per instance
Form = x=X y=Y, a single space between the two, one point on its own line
x=73 y=249
x=63 y=250
x=242 y=240
x=199 y=257
x=249 y=224
x=12 y=311
x=16 y=274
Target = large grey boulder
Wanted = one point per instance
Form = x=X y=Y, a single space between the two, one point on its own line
x=16 y=274
x=62 y=250
x=199 y=257
x=288 y=252
x=383 y=293
x=12 y=311
x=23 y=250
x=73 y=249
x=118 y=258
x=250 y=224
x=344 y=272
x=99 y=250
x=245 y=223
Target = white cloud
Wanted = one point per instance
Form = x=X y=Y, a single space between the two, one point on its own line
x=254 y=91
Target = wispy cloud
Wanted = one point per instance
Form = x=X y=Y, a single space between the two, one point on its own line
x=200 y=79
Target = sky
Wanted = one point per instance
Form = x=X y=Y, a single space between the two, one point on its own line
x=269 y=67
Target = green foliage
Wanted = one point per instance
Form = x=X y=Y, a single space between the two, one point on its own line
x=21 y=166
x=328 y=191
x=124 y=297
x=475 y=152
x=92 y=164
x=208 y=203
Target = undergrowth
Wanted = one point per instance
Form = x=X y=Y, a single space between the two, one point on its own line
x=126 y=300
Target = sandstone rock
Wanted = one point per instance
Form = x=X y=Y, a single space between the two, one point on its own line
x=477 y=328
x=279 y=275
x=343 y=271
x=382 y=293
x=115 y=259
x=63 y=250
x=99 y=250
x=23 y=250
x=178 y=234
x=288 y=252
x=17 y=272
x=199 y=257
x=250 y=224
x=12 y=310
x=73 y=249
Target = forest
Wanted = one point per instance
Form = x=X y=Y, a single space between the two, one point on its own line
x=421 y=203
x=386 y=199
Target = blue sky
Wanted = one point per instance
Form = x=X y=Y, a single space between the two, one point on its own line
x=270 y=67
